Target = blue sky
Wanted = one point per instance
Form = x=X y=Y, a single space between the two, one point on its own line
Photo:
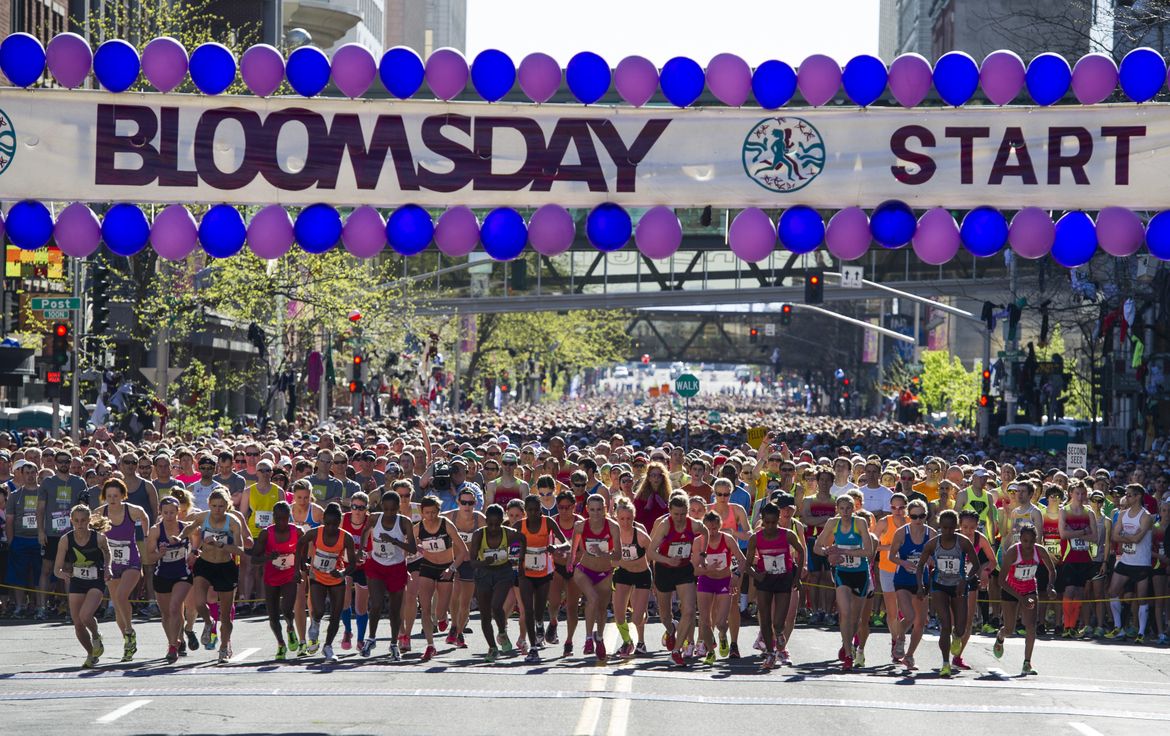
x=756 y=30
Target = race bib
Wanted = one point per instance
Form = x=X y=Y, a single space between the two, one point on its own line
x=718 y=562
x=319 y=492
x=849 y=560
x=384 y=550
x=1080 y=545
x=536 y=560
x=217 y=538
x=263 y=519
x=495 y=556
x=324 y=561
x=948 y=565
x=596 y=547
x=1025 y=573
x=433 y=545
x=914 y=558
x=29 y=521
x=88 y=572
x=60 y=521
x=174 y=554
x=775 y=564
x=1129 y=548
x=679 y=550
x=629 y=552
x=119 y=552
x=1053 y=546
x=283 y=562
x=466 y=537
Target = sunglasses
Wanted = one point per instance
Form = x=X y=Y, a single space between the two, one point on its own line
x=627 y=480
x=578 y=485
x=917 y=517
x=263 y=470
x=238 y=458
x=491 y=467
x=723 y=495
x=897 y=508
x=252 y=454
x=357 y=508
x=545 y=494
x=509 y=464
x=467 y=503
x=207 y=465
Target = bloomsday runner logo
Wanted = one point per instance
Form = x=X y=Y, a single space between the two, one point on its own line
x=7 y=141
x=783 y=154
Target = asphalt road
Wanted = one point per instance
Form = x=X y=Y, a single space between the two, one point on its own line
x=1083 y=687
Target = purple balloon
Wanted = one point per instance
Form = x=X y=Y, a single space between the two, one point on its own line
x=262 y=69
x=636 y=80
x=818 y=79
x=936 y=241
x=78 y=233
x=164 y=63
x=847 y=235
x=752 y=235
x=1031 y=233
x=174 y=233
x=540 y=76
x=1001 y=75
x=270 y=233
x=364 y=232
x=446 y=73
x=69 y=58
x=910 y=79
x=730 y=79
x=1094 y=78
x=551 y=230
x=457 y=232
x=354 y=70
x=1119 y=231
x=659 y=233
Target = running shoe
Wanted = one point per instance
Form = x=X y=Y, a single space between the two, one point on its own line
x=841 y=654
x=192 y=640
x=859 y=657
x=1139 y=639
x=676 y=656
x=956 y=646
x=314 y=632
x=99 y=647
x=313 y=646
x=1099 y=632
x=128 y=649
x=668 y=640
x=540 y=629
x=533 y=657
x=988 y=629
x=899 y=648
x=908 y=663
x=225 y=654
x=689 y=651
x=302 y=650
x=347 y=641
x=522 y=645
x=404 y=642
x=1163 y=640
x=759 y=644
x=366 y=647
x=1021 y=631
x=1114 y=634
x=1066 y=634
x=734 y=654
x=460 y=642
x=211 y=645
x=958 y=663
x=491 y=656
x=567 y=650
x=724 y=647
x=281 y=653
x=626 y=649
x=997 y=650
x=1085 y=632
x=42 y=614
x=1027 y=668
x=701 y=649
x=293 y=643
x=769 y=661
x=172 y=654
x=641 y=651
x=452 y=637
x=710 y=658
x=395 y=653
x=847 y=664
x=550 y=635
x=205 y=636
x=89 y=663
x=442 y=624
x=328 y=654
x=505 y=644
x=784 y=657
x=429 y=653
x=600 y=649
x=588 y=648
x=182 y=647
x=946 y=670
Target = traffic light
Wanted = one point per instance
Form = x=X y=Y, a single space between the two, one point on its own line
x=985 y=390
x=814 y=286
x=60 y=345
x=753 y=335
x=786 y=314
x=99 y=298
x=355 y=386
x=355 y=383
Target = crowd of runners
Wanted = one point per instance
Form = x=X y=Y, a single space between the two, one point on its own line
x=543 y=516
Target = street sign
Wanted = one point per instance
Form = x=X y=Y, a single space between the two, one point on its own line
x=1010 y=354
x=686 y=385
x=56 y=303
x=57 y=314
x=1076 y=457
x=714 y=417
x=770 y=329
x=852 y=276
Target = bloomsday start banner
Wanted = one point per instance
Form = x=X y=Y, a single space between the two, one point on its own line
x=94 y=146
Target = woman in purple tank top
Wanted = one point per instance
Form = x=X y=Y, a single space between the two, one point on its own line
x=125 y=562
x=167 y=547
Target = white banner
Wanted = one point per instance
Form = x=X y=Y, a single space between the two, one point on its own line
x=58 y=145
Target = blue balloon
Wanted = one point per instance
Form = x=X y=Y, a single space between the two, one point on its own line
x=893 y=224
x=984 y=231
x=318 y=227
x=1142 y=73
x=212 y=68
x=125 y=229
x=307 y=70
x=22 y=59
x=401 y=71
x=865 y=78
x=1048 y=78
x=492 y=74
x=588 y=76
x=682 y=81
x=801 y=229
x=503 y=234
x=29 y=224
x=773 y=84
x=409 y=230
x=116 y=65
x=222 y=231
x=1076 y=240
x=956 y=77
x=608 y=227
x=1158 y=235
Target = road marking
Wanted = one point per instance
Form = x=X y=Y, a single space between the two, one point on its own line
x=591 y=708
x=241 y=656
x=119 y=712
x=619 y=714
x=1085 y=729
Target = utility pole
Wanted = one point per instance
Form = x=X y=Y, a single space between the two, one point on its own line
x=75 y=379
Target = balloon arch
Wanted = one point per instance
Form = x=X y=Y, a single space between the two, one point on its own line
x=935 y=235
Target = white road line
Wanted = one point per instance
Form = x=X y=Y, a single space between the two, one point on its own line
x=119 y=712
x=591 y=708
x=1085 y=730
x=619 y=714
x=243 y=654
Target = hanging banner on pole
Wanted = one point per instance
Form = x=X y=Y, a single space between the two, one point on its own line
x=67 y=145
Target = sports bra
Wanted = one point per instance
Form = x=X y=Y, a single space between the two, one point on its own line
x=434 y=542
x=633 y=550
x=494 y=556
